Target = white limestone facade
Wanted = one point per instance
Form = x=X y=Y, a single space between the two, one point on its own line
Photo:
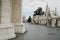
x=58 y=23
x=40 y=19
x=53 y=23
x=50 y=18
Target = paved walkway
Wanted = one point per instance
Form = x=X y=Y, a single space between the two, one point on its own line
x=39 y=32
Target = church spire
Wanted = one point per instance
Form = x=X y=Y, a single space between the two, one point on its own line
x=47 y=10
x=47 y=7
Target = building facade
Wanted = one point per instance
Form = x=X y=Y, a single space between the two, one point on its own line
x=50 y=18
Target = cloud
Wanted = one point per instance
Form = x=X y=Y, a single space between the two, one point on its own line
x=28 y=6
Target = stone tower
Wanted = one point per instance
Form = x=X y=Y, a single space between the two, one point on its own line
x=47 y=11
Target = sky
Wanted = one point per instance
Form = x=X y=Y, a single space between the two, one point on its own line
x=28 y=6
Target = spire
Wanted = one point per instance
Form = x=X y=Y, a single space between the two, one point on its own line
x=47 y=10
x=47 y=7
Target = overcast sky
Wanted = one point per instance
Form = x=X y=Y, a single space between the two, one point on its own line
x=28 y=6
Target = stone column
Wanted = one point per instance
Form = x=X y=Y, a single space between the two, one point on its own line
x=0 y=10
x=17 y=16
x=6 y=28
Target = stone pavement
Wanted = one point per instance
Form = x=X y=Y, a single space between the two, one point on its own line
x=39 y=32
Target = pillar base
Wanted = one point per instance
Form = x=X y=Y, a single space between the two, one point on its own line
x=6 y=31
x=19 y=28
